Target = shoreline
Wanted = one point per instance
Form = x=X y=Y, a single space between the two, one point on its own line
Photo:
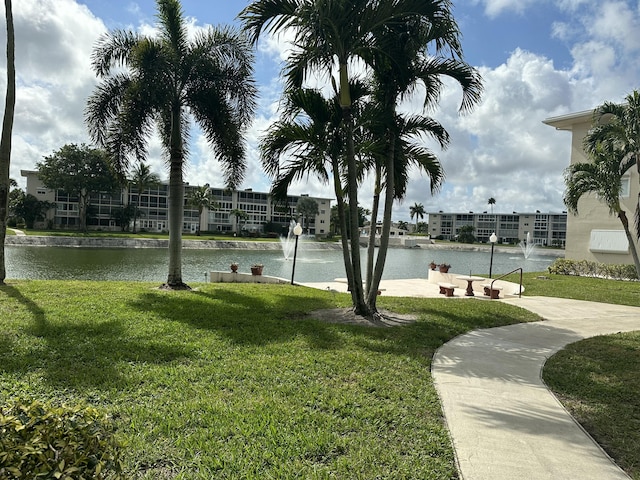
x=112 y=242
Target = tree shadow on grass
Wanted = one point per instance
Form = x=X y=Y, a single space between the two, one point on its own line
x=80 y=355
x=244 y=319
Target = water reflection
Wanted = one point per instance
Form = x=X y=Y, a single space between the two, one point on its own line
x=150 y=264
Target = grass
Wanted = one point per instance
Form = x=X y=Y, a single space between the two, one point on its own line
x=597 y=381
x=580 y=288
x=230 y=381
x=153 y=235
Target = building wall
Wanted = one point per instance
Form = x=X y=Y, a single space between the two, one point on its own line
x=153 y=203
x=587 y=237
x=543 y=228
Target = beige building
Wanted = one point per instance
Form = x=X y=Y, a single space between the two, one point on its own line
x=594 y=234
x=546 y=229
x=259 y=208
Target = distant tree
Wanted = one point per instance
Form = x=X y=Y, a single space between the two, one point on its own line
x=201 y=198
x=142 y=179
x=307 y=207
x=78 y=171
x=7 y=129
x=29 y=208
x=239 y=215
x=402 y=225
x=603 y=178
x=363 y=214
x=465 y=234
x=422 y=227
x=417 y=210
x=124 y=215
x=491 y=202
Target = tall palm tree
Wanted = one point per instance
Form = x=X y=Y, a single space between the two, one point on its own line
x=201 y=198
x=142 y=179
x=337 y=33
x=165 y=81
x=417 y=210
x=7 y=129
x=491 y=202
x=310 y=139
x=619 y=124
x=401 y=65
x=603 y=178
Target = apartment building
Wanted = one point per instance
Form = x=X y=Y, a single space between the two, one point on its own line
x=594 y=234
x=259 y=208
x=547 y=229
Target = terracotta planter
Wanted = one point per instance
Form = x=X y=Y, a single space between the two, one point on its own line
x=433 y=265
x=444 y=268
x=256 y=270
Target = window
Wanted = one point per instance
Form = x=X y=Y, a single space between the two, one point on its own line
x=41 y=191
x=625 y=186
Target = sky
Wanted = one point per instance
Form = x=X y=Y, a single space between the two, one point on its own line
x=538 y=59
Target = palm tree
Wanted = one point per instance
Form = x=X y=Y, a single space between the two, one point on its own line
x=201 y=198
x=417 y=210
x=603 y=178
x=142 y=179
x=491 y=202
x=336 y=33
x=165 y=81
x=404 y=65
x=7 y=129
x=619 y=124
x=240 y=215
x=310 y=139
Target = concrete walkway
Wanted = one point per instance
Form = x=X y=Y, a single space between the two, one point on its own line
x=504 y=422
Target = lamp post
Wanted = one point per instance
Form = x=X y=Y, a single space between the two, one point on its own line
x=297 y=231
x=493 y=239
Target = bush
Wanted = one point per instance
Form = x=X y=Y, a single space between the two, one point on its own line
x=593 y=269
x=42 y=441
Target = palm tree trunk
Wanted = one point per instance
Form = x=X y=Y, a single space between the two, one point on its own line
x=342 y=220
x=372 y=293
x=176 y=204
x=357 y=292
x=83 y=202
x=632 y=247
x=372 y=230
x=7 y=129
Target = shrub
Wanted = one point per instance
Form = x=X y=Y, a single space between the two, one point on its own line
x=43 y=441
x=592 y=269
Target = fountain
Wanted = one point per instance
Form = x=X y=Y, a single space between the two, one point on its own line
x=527 y=246
x=288 y=242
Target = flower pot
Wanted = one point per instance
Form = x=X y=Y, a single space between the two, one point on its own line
x=444 y=268
x=234 y=268
x=256 y=270
x=433 y=265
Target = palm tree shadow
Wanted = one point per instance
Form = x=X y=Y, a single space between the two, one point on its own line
x=79 y=355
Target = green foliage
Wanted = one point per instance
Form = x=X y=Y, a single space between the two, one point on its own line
x=43 y=441
x=586 y=268
x=465 y=234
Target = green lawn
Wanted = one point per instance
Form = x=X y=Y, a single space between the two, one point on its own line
x=580 y=288
x=229 y=382
x=154 y=235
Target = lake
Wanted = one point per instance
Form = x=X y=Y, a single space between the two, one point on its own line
x=150 y=264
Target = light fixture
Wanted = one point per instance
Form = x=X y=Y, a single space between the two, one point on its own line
x=297 y=231
x=493 y=239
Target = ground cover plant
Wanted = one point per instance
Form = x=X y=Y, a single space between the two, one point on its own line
x=233 y=381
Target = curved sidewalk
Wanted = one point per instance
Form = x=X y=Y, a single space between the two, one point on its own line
x=504 y=422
